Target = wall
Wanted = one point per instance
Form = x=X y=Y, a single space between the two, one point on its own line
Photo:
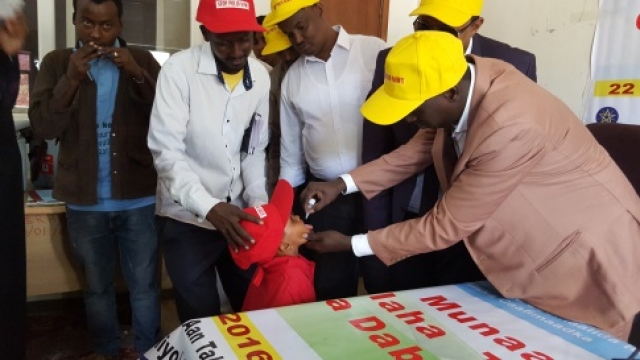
x=172 y=35
x=46 y=27
x=559 y=33
x=262 y=7
x=400 y=23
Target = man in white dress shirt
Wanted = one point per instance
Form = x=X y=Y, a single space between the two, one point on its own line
x=208 y=135
x=321 y=123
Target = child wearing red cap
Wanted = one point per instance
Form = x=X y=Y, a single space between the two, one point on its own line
x=282 y=277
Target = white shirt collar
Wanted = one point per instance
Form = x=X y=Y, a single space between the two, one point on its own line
x=464 y=119
x=468 y=51
x=344 y=39
x=207 y=64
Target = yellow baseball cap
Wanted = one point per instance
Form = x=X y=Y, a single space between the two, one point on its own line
x=276 y=41
x=281 y=10
x=451 y=12
x=419 y=67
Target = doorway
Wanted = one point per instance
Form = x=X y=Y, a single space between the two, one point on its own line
x=366 y=17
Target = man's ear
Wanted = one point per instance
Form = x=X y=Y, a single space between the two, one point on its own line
x=319 y=8
x=452 y=94
x=205 y=33
x=284 y=246
x=477 y=25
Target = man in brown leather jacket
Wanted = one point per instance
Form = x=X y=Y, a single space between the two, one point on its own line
x=96 y=100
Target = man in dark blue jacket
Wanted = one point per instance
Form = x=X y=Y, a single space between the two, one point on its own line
x=417 y=195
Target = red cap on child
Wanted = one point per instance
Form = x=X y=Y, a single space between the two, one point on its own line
x=225 y=16
x=268 y=236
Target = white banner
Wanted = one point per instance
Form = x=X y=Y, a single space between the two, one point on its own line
x=458 y=322
x=614 y=92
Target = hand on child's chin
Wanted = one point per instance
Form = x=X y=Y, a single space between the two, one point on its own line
x=303 y=237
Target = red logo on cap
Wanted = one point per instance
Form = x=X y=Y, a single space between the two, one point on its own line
x=260 y=211
x=394 y=79
x=233 y=4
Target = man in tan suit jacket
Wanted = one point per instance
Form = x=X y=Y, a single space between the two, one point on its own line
x=545 y=213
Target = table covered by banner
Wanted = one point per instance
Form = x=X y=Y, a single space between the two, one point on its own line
x=468 y=321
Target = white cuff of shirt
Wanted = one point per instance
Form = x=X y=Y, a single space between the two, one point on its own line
x=351 y=185
x=203 y=206
x=360 y=245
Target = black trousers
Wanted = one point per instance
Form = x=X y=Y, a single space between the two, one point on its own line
x=193 y=256
x=13 y=268
x=452 y=265
x=336 y=274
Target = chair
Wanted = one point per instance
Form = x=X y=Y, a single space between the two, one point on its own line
x=622 y=142
x=634 y=337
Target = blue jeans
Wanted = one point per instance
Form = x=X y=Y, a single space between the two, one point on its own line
x=96 y=238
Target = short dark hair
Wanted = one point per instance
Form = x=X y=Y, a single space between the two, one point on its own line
x=433 y=23
x=260 y=20
x=117 y=2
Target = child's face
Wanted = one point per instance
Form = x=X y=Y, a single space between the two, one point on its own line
x=296 y=231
